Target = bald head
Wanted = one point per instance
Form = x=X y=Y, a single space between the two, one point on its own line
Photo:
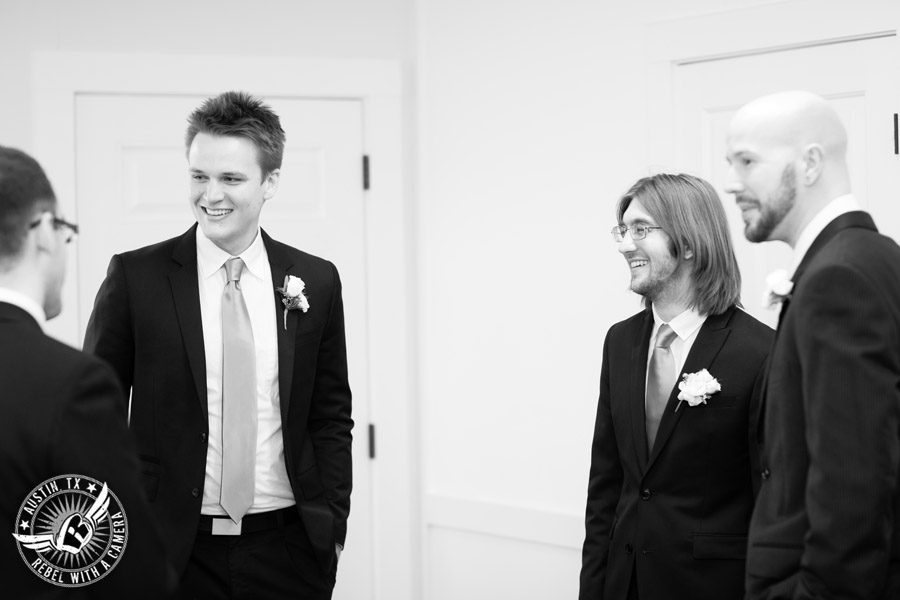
x=794 y=119
x=787 y=153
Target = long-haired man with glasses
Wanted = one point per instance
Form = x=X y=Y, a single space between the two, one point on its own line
x=674 y=467
x=61 y=417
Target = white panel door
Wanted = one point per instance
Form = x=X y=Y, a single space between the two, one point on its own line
x=132 y=190
x=858 y=79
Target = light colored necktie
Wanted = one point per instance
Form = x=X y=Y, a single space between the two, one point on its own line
x=660 y=381
x=238 y=397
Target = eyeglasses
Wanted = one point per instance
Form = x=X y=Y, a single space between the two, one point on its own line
x=638 y=232
x=57 y=223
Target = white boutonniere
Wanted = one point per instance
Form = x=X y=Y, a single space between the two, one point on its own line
x=696 y=388
x=778 y=288
x=293 y=296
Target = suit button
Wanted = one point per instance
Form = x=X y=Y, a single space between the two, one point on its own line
x=203 y=437
x=766 y=473
x=195 y=492
x=645 y=494
x=629 y=549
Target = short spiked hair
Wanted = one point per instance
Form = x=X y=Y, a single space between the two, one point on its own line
x=240 y=114
x=25 y=192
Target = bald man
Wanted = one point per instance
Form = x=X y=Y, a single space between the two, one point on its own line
x=827 y=519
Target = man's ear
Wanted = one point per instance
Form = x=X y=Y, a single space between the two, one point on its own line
x=45 y=236
x=271 y=184
x=812 y=162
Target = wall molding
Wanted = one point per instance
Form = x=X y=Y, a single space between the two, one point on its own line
x=535 y=525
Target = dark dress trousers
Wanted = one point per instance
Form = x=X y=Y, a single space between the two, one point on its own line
x=61 y=414
x=827 y=520
x=673 y=521
x=146 y=323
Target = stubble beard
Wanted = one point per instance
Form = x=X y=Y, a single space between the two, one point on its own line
x=773 y=212
x=656 y=284
x=648 y=289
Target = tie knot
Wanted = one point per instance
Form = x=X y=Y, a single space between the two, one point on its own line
x=233 y=269
x=664 y=336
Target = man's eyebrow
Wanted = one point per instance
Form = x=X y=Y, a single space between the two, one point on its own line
x=225 y=174
x=739 y=153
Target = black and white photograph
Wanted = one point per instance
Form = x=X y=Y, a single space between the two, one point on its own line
x=433 y=300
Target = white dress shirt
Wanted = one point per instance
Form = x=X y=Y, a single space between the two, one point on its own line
x=25 y=303
x=272 y=486
x=686 y=327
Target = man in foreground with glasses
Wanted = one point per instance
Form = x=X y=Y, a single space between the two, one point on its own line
x=61 y=418
x=674 y=468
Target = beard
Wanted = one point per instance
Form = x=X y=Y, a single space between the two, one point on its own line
x=659 y=280
x=773 y=212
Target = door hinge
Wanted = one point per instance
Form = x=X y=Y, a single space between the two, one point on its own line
x=896 y=136
x=371 y=440
x=365 y=171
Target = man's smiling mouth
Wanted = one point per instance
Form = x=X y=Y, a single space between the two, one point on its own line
x=217 y=212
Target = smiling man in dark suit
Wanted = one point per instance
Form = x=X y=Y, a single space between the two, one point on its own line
x=827 y=522
x=232 y=345
x=61 y=418
x=673 y=465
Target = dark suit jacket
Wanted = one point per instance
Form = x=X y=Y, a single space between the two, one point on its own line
x=679 y=515
x=146 y=324
x=827 y=522
x=62 y=414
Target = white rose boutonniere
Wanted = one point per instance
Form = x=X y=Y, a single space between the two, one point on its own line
x=696 y=388
x=293 y=296
x=778 y=288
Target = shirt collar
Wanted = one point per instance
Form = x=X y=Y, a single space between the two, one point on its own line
x=211 y=258
x=684 y=325
x=837 y=207
x=24 y=302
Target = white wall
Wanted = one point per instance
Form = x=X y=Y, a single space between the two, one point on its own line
x=533 y=118
x=530 y=127
x=295 y=28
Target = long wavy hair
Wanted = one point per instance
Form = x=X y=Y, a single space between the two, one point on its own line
x=690 y=211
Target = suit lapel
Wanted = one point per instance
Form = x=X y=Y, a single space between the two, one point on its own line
x=782 y=312
x=640 y=349
x=186 y=294
x=851 y=219
x=710 y=338
x=14 y=314
x=280 y=263
x=761 y=412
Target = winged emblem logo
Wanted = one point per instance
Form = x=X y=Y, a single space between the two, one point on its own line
x=71 y=530
x=76 y=531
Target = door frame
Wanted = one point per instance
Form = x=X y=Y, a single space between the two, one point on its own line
x=58 y=77
x=672 y=43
